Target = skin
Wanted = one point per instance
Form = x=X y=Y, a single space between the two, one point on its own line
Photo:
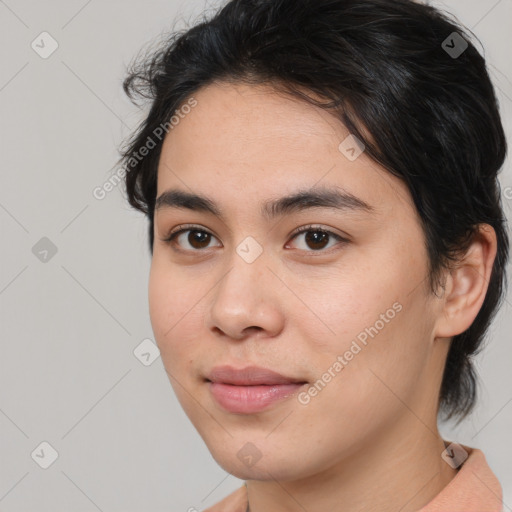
x=369 y=440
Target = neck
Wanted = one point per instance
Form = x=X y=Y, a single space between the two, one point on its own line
x=402 y=470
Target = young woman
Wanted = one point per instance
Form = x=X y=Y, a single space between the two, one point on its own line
x=328 y=247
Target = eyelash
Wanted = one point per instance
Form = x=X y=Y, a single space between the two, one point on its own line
x=304 y=229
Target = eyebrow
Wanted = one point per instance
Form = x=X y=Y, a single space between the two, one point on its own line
x=302 y=200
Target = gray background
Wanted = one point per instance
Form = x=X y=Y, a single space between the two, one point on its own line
x=70 y=324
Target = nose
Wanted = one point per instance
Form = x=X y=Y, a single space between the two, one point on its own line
x=247 y=301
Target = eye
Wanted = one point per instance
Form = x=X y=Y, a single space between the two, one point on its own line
x=197 y=238
x=317 y=238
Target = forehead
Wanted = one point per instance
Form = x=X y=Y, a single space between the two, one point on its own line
x=251 y=140
x=234 y=121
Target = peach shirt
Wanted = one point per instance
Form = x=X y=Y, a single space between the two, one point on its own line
x=475 y=488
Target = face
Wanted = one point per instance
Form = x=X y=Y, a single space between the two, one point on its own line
x=342 y=309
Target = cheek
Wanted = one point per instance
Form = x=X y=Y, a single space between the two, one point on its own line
x=171 y=323
x=378 y=346
x=381 y=374
x=161 y=302
x=362 y=397
x=168 y=308
x=177 y=314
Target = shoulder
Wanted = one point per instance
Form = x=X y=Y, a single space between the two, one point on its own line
x=474 y=488
x=234 y=502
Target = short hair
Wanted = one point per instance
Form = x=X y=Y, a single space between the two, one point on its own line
x=399 y=76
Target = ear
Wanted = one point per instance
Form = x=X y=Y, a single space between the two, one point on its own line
x=467 y=284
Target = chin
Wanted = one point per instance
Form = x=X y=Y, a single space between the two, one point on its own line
x=272 y=470
x=246 y=462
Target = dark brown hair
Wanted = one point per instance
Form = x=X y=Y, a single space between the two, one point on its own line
x=430 y=117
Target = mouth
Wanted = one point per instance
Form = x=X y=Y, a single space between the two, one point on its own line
x=250 y=390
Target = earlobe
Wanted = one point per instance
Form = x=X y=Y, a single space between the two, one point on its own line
x=467 y=284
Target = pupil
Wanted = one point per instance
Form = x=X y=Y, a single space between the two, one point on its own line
x=196 y=238
x=313 y=239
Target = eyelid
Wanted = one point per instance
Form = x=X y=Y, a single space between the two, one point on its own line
x=317 y=227
x=185 y=227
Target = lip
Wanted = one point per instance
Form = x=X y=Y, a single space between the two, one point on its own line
x=249 y=376
x=251 y=389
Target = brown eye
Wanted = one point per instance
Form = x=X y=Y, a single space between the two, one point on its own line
x=316 y=239
x=198 y=239
x=189 y=239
